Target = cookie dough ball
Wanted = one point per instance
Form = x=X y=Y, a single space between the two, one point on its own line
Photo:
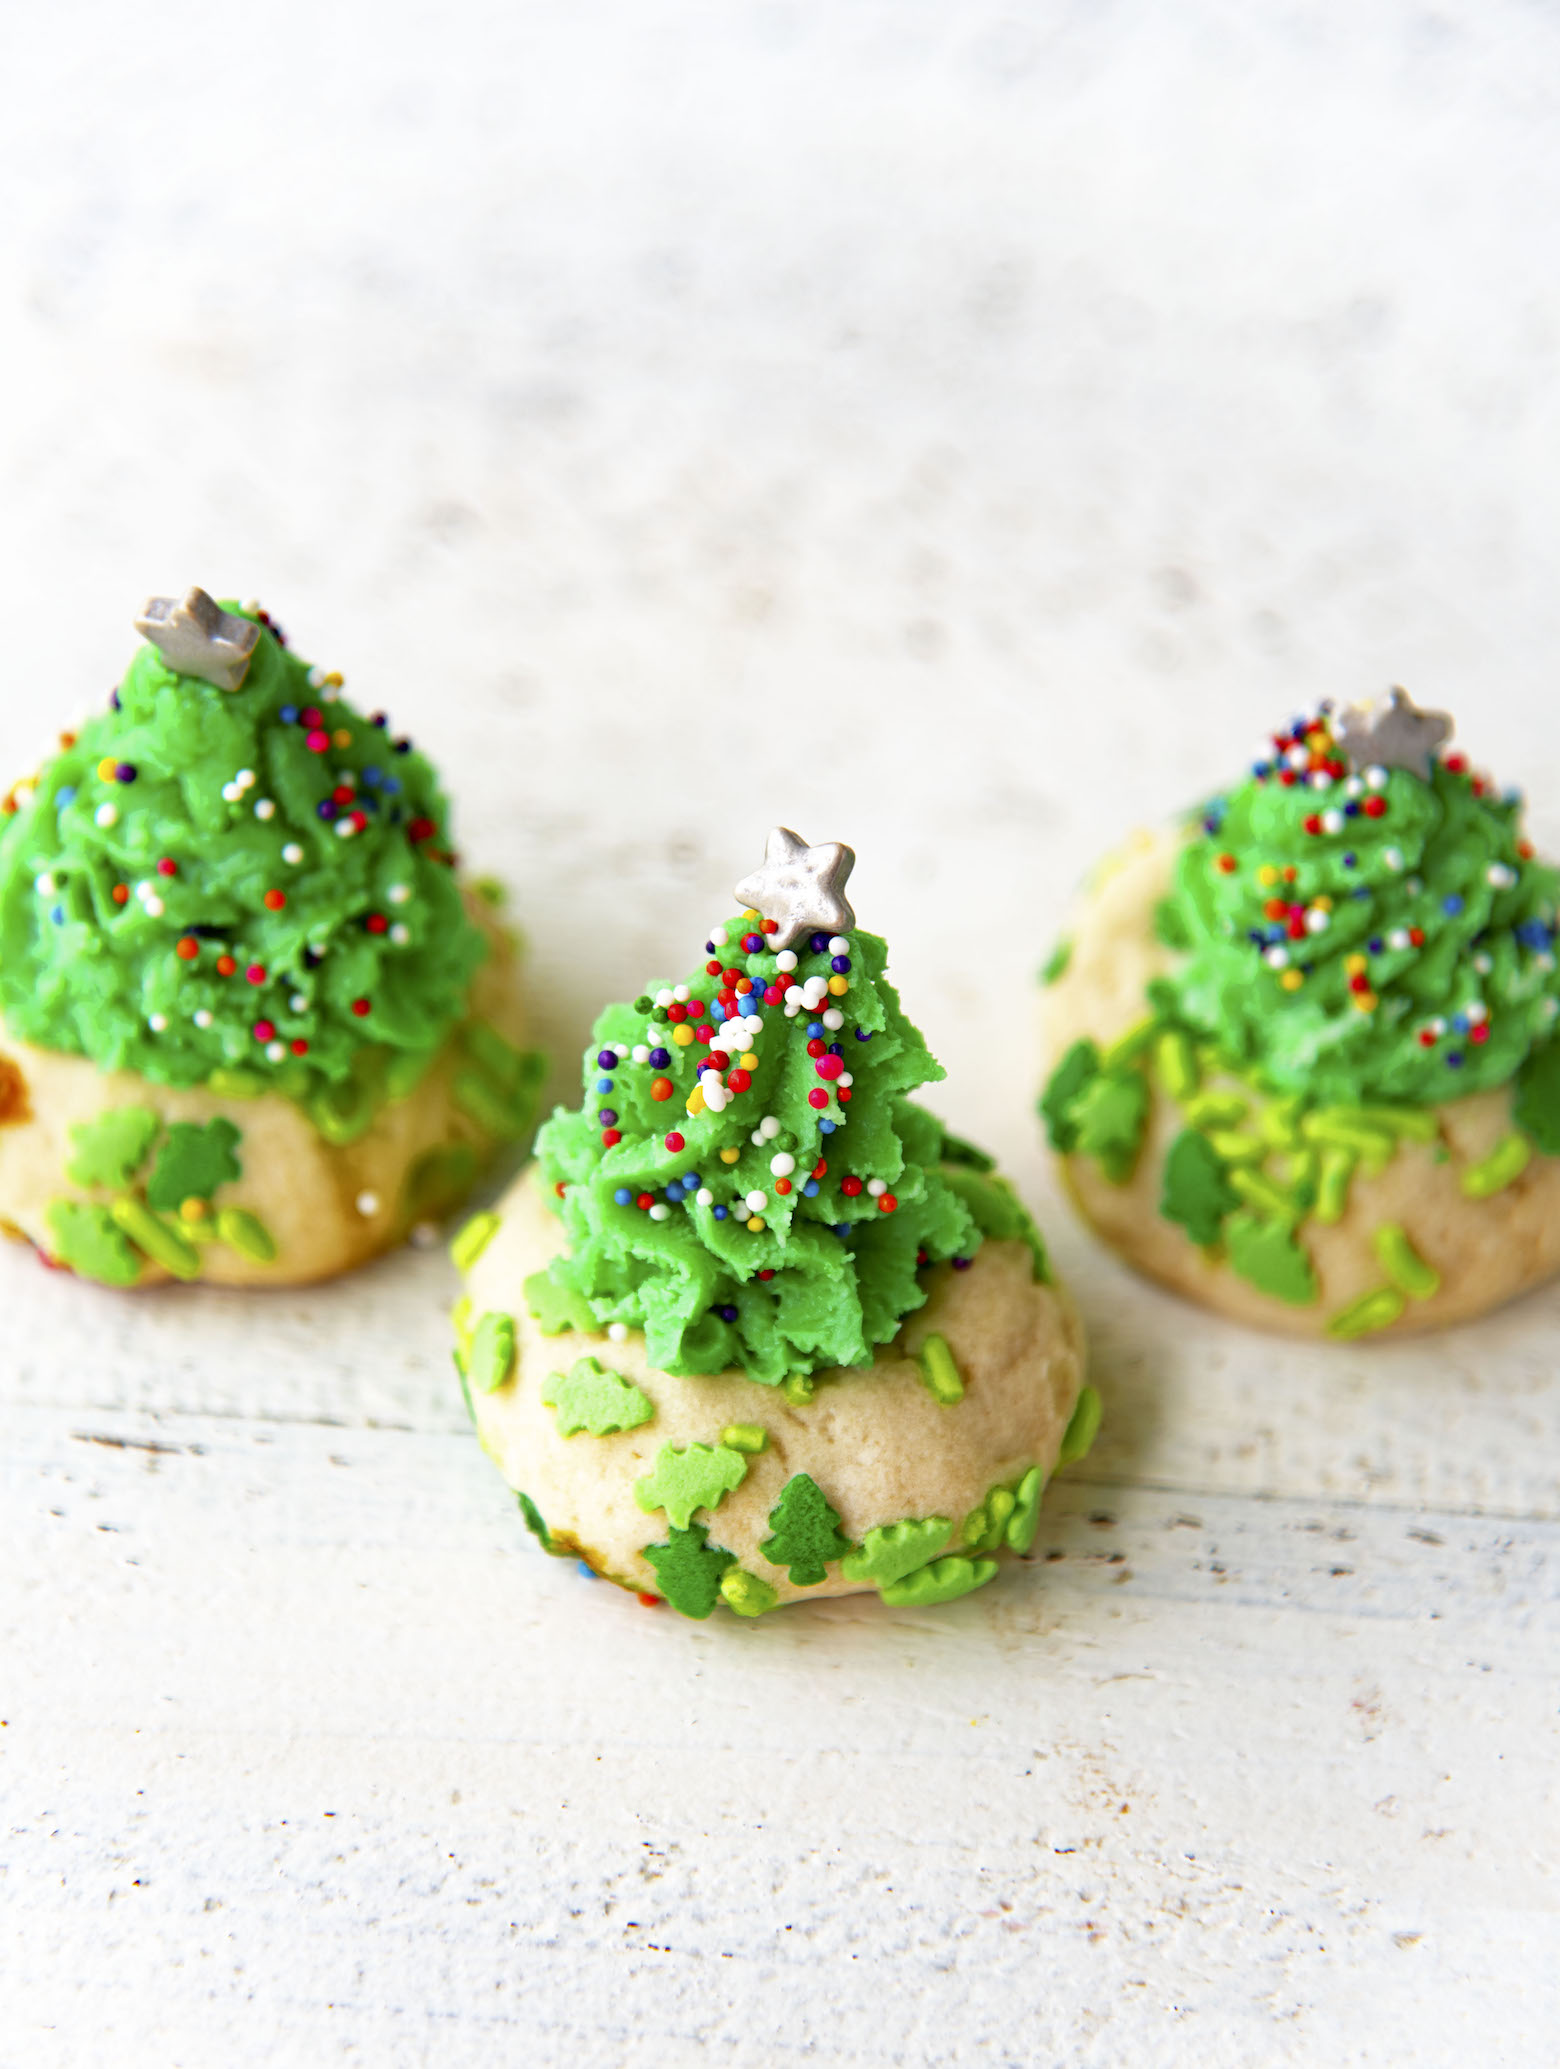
x=910 y=1476
x=1275 y=1190
x=252 y=1029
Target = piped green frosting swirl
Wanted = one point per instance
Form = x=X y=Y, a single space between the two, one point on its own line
x=369 y=956
x=831 y=1269
x=1399 y=949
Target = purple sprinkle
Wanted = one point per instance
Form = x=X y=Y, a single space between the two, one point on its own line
x=818 y=943
x=960 y=1264
x=1454 y=1061
x=325 y=809
x=607 y=1060
x=124 y=772
x=607 y=1117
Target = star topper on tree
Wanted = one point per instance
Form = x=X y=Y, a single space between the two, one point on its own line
x=1394 y=734
x=799 y=887
x=198 y=637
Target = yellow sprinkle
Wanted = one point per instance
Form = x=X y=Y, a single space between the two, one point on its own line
x=730 y=1156
x=1291 y=980
x=682 y=1036
x=342 y=736
x=756 y=1223
x=1267 y=874
x=839 y=986
x=696 y=1101
x=193 y=1209
x=106 y=768
x=1364 y=1002
x=1322 y=902
x=750 y=1061
x=750 y=914
x=1354 y=964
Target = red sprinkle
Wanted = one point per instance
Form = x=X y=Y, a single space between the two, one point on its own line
x=740 y=1080
x=420 y=829
x=782 y=1185
x=300 y=1047
x=188 y=949
x=644 y=1202
x=361 y=1007
x=273 y=901
x=771 y=926
x=766 y=1274
x=820 y=1167
x=674 y=1142
x=1313 y=822
x=704 y=1033
x=1481 y=1033
x=343 y=794
x=225 y=966
x=560 y=1188
x=830 y=1066
x=817 y=1097
x=317 y=742
x=264 y=1031
x=886 y=1203
x=1417 y=936
x=167 y=867
x=660 y=1088
x=121 y=894
x=677 y=1010
x=255 y=973
x=1375 y=807
x=850 y=1187
x=817 y=1048
x=712 y=969
x=648 y=1601
x=609 y=1136
x=843 y=1097
x=376 y=923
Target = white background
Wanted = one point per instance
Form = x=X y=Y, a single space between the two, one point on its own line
x=961 y=430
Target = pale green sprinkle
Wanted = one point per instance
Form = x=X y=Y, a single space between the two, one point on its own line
x=945 y=1580
x=891 y=1550
x=1278 y=1122
x=1341 y=1128
x=1216 y=1109
x=246 y=1234
x=689 y=1477
x=798 y=1388
x=1403 y=1264
x=1375 y=1310
x=473 y=1239
x=491 y=1357
x=236 y=1084
x=1332 y=1185
x=939 y=1373
x=1505 y=1162
x=1235 y=1148
x=1175 y=1059
x=986 y=1526
x=1411 y=1123
x=587 y=1398
x=745 y=1594
x=744 y=1436
x=460 y=1316
x=1082 y=1429
x=162 y=1244
x=1025 y=1519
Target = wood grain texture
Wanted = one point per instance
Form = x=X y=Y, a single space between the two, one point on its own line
x=962 y=432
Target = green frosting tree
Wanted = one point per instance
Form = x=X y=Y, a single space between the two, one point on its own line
x=748 y=1181
x=230 y=875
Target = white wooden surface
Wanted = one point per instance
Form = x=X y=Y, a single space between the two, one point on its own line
x=958 y=430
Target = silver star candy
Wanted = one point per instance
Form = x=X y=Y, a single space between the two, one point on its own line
x=1393 y=735
x=800 y=887
x=198 y=637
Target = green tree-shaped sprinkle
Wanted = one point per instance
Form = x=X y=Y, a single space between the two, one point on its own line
x=805 y=1534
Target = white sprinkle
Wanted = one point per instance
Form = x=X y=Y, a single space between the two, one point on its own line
x=1399 y=938
x=400 y=934
x=154 y=907
x=704 y=1197
x=663 y=997
x=202 y=1017
x=1477 y=1011
x=298 y=1003
x=399 y=893
x=344 y=829
x=106 y=815
x=157 y=1022
x=618 y=1331
x=425 y=1235
x=680 y=993
x=782 y=1163
x=275 y=1051
x=1320 y=780
x=716 y=1097
x=876 y=1186
x=1297 y=757
x=833 y=1019
x=757 y=1138
x=1483 y=965
x=1500 y=876
x=368 y=1205
x=756 y=1202
x=292 y=853
x=231 y=793
x=246 y=779
x=1317 y=921
x=1376 y=776
x=1332 y=821
x=44 y=885
x=265 y=808
x=769 y=1127
x=1276 y=958
x=1414 y=885
x=718 y=936
x=786 y=959
x=1353 y=787
x=1393 y=857
x=640 y=1053
x=660 y=1211
x=844 y=1081
x=839 y=945
x=316 y=677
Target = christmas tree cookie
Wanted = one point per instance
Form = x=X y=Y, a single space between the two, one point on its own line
x=1305 y=1065
x=252 y=1029
x=755 y=1329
